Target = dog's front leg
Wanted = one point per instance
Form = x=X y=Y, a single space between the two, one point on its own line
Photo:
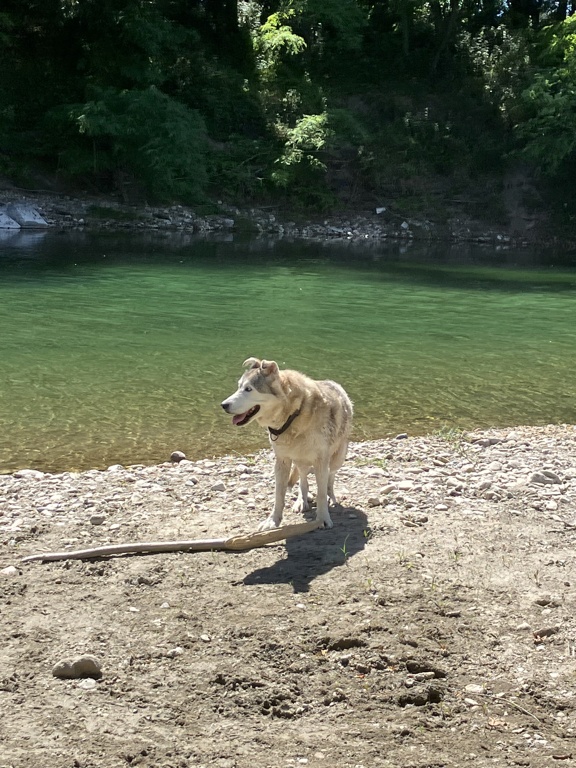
x=322 y=472
x=281 y=473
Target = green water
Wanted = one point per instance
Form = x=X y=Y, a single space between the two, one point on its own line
x=119 y=349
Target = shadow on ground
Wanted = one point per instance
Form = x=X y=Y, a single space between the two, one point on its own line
x=314 y=554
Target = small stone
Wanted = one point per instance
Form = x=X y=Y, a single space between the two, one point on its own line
x=548 y=600
x=177 y=456
x=405 y=485
x=205 y=638
x=374 y=501
x=34 y=474
x=474 y=688
x=97 y=519
x=88 y=684
x=115 y=468
x=402 y=436
x=174 y=652
x=10 y=570
x=545 y=477
x=218 y=487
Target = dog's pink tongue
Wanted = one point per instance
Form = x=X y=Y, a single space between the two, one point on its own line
x=238 y=418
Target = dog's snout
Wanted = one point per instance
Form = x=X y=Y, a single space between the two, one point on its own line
x=225 y=405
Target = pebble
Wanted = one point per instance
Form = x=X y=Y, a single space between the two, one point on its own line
x=218 y=487
x=177 y=456
x=97 y=519
x=474 y=688
x=545 y=477
x=34 y=474
x=10 y=570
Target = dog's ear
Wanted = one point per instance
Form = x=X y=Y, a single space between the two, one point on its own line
x=269 y=367
x=252 y=362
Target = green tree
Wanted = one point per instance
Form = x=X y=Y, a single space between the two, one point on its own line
x=546 y=124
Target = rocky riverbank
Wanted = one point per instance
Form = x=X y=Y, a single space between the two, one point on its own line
x=65 y=212
x=434 y=624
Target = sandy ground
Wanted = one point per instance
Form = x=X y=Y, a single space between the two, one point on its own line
x=434 y=625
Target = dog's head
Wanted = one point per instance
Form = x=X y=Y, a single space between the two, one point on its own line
x=257 y=391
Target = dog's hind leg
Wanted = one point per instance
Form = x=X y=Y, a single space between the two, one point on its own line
x=301 y=504
x=331 y=495
x=322 y=472
x=336 y=461
x=282 y=475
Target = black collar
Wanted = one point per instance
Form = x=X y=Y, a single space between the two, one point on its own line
x=275 y=433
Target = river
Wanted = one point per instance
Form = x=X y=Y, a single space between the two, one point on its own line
x=118 y=348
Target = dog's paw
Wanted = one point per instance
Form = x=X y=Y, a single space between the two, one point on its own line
x=301 y=505
x=325 y=521
x=269 y=524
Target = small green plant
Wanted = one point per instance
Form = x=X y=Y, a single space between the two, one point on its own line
x=457 y=554
x=537 y=577
x=405 y=560
x=368 y=533
x=380 y=463
x=455 y=437
x=344 y=549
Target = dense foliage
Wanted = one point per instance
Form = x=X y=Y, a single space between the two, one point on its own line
x=311 y=102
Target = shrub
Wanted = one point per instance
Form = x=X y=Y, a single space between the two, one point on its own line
x=145 y=133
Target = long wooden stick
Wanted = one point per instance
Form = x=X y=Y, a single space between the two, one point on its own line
x=234 y=543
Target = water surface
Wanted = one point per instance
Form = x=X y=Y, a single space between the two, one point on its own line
x=118 y=348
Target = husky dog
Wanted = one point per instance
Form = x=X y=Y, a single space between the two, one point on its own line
x=308 y=424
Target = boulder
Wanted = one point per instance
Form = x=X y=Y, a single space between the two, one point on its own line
x=26 y=216
x=6 y=221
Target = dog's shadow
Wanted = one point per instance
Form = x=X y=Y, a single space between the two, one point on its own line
x=314 y=554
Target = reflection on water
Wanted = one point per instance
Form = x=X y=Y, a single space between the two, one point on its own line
x=119 y=348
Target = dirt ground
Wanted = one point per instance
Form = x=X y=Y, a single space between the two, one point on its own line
x=434 y=625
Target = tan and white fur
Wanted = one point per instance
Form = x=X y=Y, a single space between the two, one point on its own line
x=308 y=424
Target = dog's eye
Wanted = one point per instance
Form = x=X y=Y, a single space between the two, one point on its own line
x=247 y=389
